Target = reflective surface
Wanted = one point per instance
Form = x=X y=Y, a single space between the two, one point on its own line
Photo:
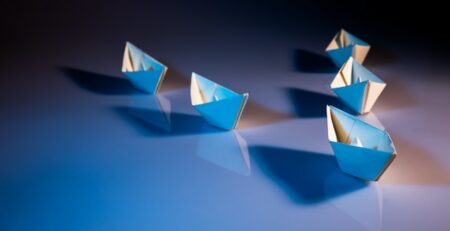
x=81 y=149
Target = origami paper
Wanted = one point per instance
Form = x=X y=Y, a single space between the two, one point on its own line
x=345 y=45
x=357 y=87
x=361 y=149
x=144 y=72
x=220 y=106
x=227 y=150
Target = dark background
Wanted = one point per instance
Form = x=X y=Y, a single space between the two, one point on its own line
x=27 y=24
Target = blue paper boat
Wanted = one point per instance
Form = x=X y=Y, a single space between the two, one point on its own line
x=144 y=72
x=357 y=87
x=361 y=149
x=220 y=106
x=345 y=45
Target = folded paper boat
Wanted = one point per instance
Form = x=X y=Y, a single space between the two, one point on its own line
x=219 y=106
x=144 y=72
x=357 y=87
x=345 y=45
x=361 y=149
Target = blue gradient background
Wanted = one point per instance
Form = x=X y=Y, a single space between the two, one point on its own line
x=80 y=149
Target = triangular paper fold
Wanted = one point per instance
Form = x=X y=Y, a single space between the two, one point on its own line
x=357 y=87
x=219 y=106
x=345 y=45
x=361 y=149
x=144 y=72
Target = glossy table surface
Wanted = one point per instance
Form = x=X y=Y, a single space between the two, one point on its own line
x=81 y=149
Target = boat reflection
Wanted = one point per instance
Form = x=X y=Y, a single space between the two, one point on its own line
x=364 y=205
x=228 y=150
x=153 y=116
x=155 y=111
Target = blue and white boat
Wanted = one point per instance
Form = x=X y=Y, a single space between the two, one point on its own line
x=144 y=72
x=361 y=149
x=357 y=87
x=220 y=106
x=345 y=45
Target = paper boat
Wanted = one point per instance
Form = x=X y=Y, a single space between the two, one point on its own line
x=144 y=72
x=219 y=106
x=357 y=87
x=361 y=149
x=345 y=45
